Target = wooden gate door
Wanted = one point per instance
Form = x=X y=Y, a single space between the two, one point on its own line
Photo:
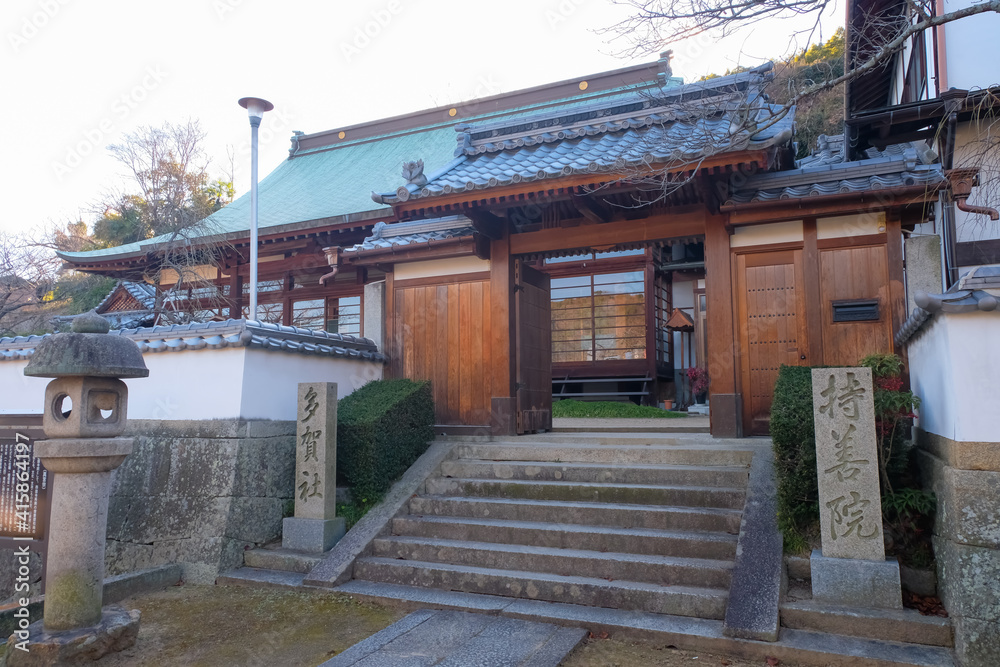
x=772 y=324
x=533 y=349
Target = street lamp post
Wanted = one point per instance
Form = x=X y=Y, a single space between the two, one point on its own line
x=255 y=107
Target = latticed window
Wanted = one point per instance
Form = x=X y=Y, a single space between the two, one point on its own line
x=598 y=317
x=309 y=314
x=344 y=315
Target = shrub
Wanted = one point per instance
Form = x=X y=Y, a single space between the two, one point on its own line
x=699 y=380
x=795 y=454
x=382 y=428
x=893 y=418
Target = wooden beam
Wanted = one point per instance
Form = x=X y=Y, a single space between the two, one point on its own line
x=591 y=210
x=687 y=222
x=839 y=204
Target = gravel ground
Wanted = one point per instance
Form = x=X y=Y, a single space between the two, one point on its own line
x=223 y=626
x=615 y=653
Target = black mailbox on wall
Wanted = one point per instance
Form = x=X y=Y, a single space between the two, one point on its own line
x=855 y=310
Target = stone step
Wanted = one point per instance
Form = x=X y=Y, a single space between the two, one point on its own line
x=642 y=494
x=816 y=649
x=252 y=576
x=687 y=454
x=658 y=517
x=285 y=560
x=679 y=544
x=901 y=625
x=676 y=600
x=679 y=475
x=657 y=569
x=668 y=426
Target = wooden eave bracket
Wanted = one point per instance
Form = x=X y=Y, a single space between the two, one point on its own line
x=485 y=223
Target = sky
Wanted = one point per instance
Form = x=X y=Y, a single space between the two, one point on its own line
x=78 y=76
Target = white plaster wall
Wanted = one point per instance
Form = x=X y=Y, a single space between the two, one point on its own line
x=196 y=384
x=972 y=48
x=230 y=383
x=441 y=267
x=775 y=232
x=970 y=226
x=842 y=226
x=954 y=364
x=271 y=379
x=20 y=395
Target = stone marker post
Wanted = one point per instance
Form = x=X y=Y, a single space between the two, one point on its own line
x=852 y=568
x=85 y=413
x=315 y=526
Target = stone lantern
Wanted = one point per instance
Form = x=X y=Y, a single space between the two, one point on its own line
x=85 y=413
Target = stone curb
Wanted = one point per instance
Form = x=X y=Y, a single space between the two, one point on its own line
x=755 y=592
x=337 y=566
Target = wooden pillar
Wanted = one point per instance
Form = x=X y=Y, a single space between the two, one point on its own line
x=391 y=328
x=503 y=419
x=651 y=332
x=235 y=293
x=894 y=261
x=813 y=300
x=725 y=401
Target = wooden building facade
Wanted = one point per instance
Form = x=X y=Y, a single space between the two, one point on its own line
x=544 y=254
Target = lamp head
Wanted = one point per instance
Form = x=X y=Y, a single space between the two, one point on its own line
x=255 y=106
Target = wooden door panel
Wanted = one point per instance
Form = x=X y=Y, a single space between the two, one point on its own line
x=848 y=274
x=533 y=345
x=441 y=333
x=771 y=311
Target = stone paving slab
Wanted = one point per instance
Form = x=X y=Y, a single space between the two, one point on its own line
x=428 y=638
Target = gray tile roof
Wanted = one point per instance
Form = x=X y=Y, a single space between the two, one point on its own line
x=826 y=172
x=144 y=293
x=680 y=125
x=217 y=335
x=410 y=233
x=977 y=290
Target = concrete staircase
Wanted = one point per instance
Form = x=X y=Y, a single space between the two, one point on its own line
x=631 y=534
x=632 y=526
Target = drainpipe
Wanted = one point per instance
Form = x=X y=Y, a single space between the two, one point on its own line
x=333 y=259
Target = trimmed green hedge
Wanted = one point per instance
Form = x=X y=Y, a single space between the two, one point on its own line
x=382 y=428
x=792 y=431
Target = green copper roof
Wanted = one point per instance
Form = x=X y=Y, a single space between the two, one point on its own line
x=334 y=183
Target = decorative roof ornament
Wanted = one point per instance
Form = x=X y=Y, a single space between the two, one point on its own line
x=295 y=142
x=413 y=172
x=665 y=70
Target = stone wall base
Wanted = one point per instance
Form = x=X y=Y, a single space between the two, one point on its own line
x=965 y=476
x=199 y=493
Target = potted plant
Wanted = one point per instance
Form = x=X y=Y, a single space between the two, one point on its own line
x=699 y=383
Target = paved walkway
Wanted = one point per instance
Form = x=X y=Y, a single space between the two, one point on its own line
x=459 y=639
x=677 y=425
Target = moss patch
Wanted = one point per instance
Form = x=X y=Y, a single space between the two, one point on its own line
x=609 y=410
x=233 y=625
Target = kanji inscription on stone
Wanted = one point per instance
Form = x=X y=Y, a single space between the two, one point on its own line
x=847 y=463
x=316 y=451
